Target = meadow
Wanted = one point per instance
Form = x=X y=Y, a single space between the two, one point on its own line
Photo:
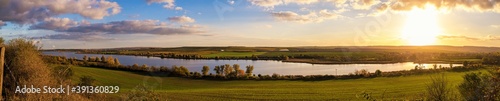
x=181 y=89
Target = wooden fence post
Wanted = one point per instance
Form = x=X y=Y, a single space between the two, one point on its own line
x=2 y=55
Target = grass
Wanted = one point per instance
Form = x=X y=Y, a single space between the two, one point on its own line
x=325 y=54
x=174 y=88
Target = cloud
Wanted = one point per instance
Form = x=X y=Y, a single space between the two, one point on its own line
x=289 y=16
x=32 y=11
x=78 y=36
x=85 y=31
x=266 y=3
x=377 y=7
x=134 y=16
x=181 y=19
x=178 y=8
x=325 y=14
x=338 y=3
x=300 y=1
x=457 y=37
x=269 y=26
x=231 y=2
x=135 y=26
x=55 y=24
x=468 y=5
x=364 y=4
x=169 y=4
x=292 y=16
x=495 y=26
x=269 y=4
x=487 y=38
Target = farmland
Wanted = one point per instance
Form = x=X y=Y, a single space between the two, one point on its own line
x=176 y=88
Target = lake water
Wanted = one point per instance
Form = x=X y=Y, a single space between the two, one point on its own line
x=260 y=66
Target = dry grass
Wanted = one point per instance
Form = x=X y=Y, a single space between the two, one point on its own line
x=24 y=66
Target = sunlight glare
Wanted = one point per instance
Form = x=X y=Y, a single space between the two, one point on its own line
x=421 y=27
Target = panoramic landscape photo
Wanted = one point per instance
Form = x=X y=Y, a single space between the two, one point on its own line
x=225 y=50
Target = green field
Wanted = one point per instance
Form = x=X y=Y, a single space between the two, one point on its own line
x=232 y=54
x=174 y=88
x=357 y=54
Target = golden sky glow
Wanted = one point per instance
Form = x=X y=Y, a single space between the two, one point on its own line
x=421 y=26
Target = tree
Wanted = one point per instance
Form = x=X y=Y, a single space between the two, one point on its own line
x=465 y=63
x=85 y=58
x=97 y=59
x=221 y=69
x=205 y=70
x=117 y=62
x=227 y=69
x=110 y=60
x=184 y=71
x=164 y=69
x=103 y=59
x=135 y=67
x=285 y=57
x=249 y=70
x=473 y=87
x=255 y=57
x=144 y=67
x=217 y=70
x=378 y=72
x=236 y=68
x=241 y=72
x=90 y=59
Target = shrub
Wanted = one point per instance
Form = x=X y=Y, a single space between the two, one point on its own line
x=439 y=89
x=63 y=73
x=479 y=87
x=378 y=72
x=362 y=72
x=141 y=93
x=86 y=81
x=24 y=66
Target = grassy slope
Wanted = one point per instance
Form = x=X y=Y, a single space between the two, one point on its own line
x=173 y=88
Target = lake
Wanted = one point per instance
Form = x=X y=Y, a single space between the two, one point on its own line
x=260 y=66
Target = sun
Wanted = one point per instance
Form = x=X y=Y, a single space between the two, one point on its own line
x=421 y=27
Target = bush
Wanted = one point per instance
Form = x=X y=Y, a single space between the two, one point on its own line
x=141 y=93
x=362 y=72
x=24 y=66
x=378 y=72
x=480 y=87
x=63 y=72
x=86 y=81
x=439 y=89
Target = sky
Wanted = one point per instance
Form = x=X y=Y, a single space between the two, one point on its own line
x=85 y=24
